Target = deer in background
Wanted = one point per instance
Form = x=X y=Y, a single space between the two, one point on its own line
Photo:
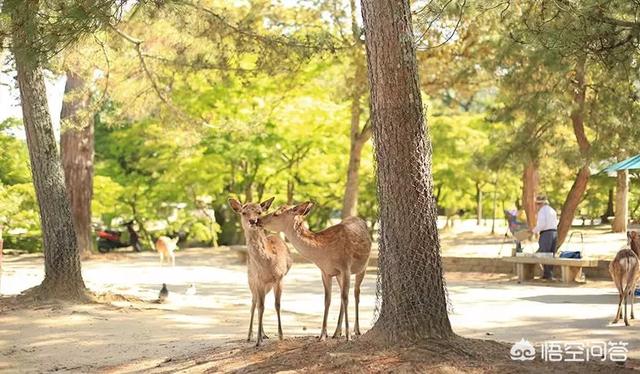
x=625 y=271
x=166 y=248
x=339 y=251
x=268 y=261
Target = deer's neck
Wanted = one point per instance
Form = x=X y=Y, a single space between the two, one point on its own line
x=256 y=242
x=304 y=240
x=635 y=246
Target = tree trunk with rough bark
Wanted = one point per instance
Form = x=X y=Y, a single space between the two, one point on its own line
x=622 y=202
x=359 y=137
x=530 y=182
x=63 y=276
x=576 y=192
x=76 y=148
x=413 y=304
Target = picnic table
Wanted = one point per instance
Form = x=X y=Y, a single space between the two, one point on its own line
x=571 y=267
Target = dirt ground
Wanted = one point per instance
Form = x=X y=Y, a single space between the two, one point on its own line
x=205 y=331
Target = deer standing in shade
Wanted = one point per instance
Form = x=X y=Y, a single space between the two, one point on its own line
x=339 y=251
x=625 y=271
x=268 y=261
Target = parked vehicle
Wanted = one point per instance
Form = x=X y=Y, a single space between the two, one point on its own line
x=108 y=240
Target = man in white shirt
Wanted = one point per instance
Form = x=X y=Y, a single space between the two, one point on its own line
x=546 y=226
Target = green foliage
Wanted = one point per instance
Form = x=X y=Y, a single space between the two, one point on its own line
x=18 y=208
x=14 y=158
x=200 y=101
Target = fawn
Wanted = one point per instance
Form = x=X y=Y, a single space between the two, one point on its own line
x=338 y=251
x=268 y=261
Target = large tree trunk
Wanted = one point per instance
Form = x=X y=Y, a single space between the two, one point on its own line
x=413 y=303
x=571 y=203
x=358 y=137
x=574 y=197
x=63 y=277
x=530 y=182
x=622 y=202
x=76 y=148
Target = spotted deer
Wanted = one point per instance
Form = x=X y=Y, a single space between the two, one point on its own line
x=625 y=271
x=339 y=251
x=268 y=261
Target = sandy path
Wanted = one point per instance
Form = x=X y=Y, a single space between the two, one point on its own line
x=85 y=338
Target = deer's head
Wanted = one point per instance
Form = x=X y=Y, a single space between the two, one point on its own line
x=250 y=212
x=286 y=216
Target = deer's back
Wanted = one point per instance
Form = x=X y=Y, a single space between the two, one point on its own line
x=625 y=261
x=349 y=239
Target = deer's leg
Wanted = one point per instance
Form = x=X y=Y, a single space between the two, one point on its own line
x=173 y=260
x=253 y=309
x=161 y=258
x=346 y=279
x=356 y=294
x=277 y=293
x=619 y=311
x=621 y=295
x=326 y=282
x=626 y=321
x=633 y=299
x=338 y=332
x=260 y=314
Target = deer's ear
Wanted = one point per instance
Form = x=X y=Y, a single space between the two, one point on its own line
x=235 y=205
x=303 y=209
x=266 y=204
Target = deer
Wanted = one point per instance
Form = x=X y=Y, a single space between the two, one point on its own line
x=268 y=261
x=339 y=251
x=625 y=271
x=166 y=248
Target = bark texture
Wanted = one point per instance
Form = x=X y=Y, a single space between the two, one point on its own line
x=76 y=148
x=63 y=277
x=359 y=137
x=622 y=202
x=411 y=291
x=530 y=183
x=576 y=192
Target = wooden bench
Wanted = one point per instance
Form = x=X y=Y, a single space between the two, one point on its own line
x=571 y=267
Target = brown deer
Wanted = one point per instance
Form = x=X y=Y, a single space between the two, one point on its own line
x=166 y=248
x=268 y=261
x=625 y=271
x=338 y=251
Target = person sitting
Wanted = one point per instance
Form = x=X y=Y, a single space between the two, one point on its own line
x=546 y=227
